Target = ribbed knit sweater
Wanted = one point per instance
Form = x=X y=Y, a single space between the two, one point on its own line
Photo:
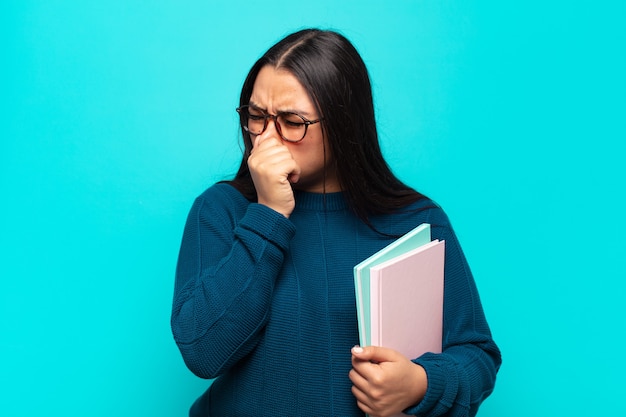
x=266 y=305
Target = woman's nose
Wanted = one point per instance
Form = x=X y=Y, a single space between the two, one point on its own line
x=272 y=128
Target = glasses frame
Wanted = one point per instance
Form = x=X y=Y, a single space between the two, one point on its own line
x=266 y=117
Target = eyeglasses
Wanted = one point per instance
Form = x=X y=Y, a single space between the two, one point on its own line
x=290 y=126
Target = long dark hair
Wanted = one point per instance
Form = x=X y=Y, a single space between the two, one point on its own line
x=336 y=78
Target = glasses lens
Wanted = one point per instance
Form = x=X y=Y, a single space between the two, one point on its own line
x=292 y=126
x=255 y=120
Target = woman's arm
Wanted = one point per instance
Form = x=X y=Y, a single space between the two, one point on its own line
x=451 y=383
x=230 y=256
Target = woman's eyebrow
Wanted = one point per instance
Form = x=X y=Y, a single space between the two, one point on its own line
x=256 y=106
x=286 y=110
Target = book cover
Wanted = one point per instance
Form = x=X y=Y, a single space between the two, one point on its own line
x=406 y=301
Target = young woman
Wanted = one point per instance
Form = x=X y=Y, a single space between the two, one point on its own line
x=264 y=297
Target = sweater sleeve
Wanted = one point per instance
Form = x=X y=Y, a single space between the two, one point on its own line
x=463 y=375
x=230 y=256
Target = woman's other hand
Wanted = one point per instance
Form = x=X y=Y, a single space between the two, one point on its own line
x=384 y=381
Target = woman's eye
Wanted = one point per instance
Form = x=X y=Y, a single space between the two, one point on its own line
x=292 y=121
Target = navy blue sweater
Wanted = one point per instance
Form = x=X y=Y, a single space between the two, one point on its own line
x=266 y=305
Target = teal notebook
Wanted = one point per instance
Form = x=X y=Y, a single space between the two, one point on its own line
x=412 y=240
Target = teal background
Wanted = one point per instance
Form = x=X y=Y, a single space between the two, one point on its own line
x=116 y=114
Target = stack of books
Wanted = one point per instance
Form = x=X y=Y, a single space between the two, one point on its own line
x=399 y=295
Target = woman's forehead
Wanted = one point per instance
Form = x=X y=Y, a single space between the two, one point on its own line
x=278 y=90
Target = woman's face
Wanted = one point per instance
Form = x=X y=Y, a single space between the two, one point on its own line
x=277 y=90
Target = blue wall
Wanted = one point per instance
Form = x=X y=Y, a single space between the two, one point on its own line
x=116 y=114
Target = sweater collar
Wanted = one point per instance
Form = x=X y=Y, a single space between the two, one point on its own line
x=319 y=201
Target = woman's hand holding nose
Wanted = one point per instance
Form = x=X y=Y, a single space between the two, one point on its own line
x=273 y=170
